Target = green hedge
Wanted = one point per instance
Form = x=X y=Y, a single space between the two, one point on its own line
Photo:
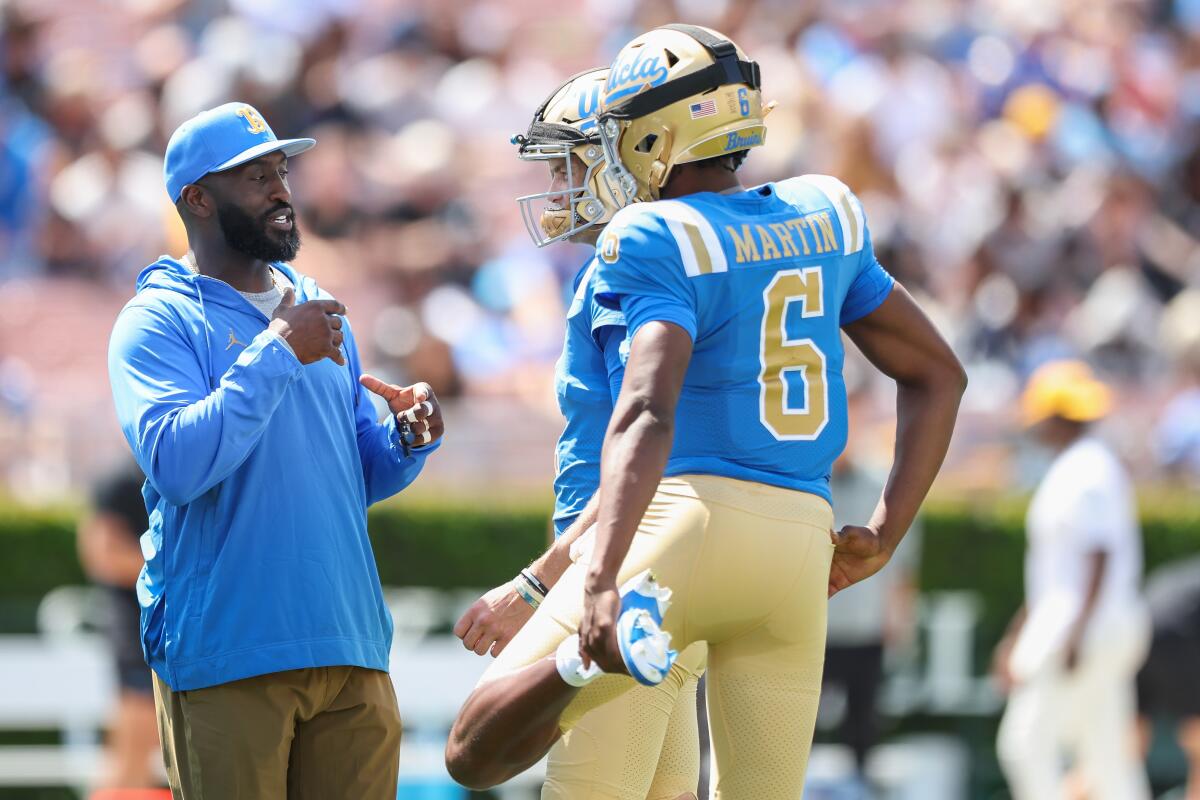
x=455 y=545
x=451 y=542
x=37 y=553
x=442 y=544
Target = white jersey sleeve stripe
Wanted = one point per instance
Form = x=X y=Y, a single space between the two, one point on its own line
x=690 y=265
x=716 y=251
x=581 y=289
x=680 y=217
x=845 y=206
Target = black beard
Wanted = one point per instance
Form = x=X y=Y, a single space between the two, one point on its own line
x=250 y=237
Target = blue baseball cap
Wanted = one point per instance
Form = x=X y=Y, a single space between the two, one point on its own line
x=219 y=139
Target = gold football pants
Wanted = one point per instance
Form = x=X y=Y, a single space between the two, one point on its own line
x=643 y=745
x=749 y=568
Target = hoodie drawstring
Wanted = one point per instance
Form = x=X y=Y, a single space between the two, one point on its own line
x=212 y=384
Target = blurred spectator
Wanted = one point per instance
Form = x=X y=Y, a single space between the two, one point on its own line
x=867 y=618
x=1177 y=437
x=1178 y=433
x=109 y=548
x=1166 y=685
x=1033 y=170
x=1073 y=650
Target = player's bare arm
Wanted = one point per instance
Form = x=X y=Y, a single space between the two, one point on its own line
x=636 y=448
x=1097 y=564
x=492 y=620
x=1002 y=655
x=901 y=341
x=508 y=723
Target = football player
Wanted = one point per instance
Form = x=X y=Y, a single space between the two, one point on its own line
x=662 y=762
x=732 y=409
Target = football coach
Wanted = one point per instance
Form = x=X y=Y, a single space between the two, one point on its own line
x=239 y=388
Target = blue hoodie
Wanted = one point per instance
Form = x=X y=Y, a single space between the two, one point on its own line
x=259 y=473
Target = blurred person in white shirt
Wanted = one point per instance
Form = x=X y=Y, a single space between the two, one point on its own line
x=1073 y=650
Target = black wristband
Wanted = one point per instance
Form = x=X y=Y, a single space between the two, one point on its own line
x=534 y=582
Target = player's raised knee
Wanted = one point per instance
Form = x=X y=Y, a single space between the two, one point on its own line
x=467 y=768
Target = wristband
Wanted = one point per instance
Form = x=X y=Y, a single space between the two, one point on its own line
x=532 y=585
x=523 y=590
x=528 y=575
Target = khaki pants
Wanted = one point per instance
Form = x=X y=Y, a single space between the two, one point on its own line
x=1088 y=713
x=748 y=566
x=319 y=733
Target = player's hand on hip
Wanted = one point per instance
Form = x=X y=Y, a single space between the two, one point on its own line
x=598 y=628
x=415 y=405
x=313 y=330
x=493 y=620
x=858 y=554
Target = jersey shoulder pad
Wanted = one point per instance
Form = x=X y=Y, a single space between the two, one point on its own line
x=669 y=229
x=812 y=193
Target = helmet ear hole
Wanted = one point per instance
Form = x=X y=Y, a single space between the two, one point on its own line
x=646 y=143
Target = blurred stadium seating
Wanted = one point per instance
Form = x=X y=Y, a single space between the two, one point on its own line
x=1029 y=168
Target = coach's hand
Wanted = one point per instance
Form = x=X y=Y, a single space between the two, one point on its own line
x=417 y=405
x=598 y=629
x=858 y=554
x=493 y=620
x=313 y=330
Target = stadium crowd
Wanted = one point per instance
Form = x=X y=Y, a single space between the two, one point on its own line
x=1031 y=169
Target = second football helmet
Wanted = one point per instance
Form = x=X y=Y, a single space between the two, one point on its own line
x=676 y=94
x=563 y=126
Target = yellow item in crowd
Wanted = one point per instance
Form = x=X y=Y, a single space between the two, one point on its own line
x=1034 y=109
x=1067 y=389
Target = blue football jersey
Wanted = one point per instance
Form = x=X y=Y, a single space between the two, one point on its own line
x=762 y=280
x=582 y=383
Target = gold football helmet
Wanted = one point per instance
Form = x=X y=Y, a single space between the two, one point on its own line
x=563 y=126
x=676 y=94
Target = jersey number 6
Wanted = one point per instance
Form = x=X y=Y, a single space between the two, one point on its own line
x=780 y=355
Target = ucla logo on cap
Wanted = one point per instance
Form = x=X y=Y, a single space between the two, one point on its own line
x=218 y=139
x=629 y=76
x=254 y=123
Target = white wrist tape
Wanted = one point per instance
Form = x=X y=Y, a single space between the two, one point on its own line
x=570 y=665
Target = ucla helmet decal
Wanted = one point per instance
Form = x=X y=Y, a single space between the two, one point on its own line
x=676 y=94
